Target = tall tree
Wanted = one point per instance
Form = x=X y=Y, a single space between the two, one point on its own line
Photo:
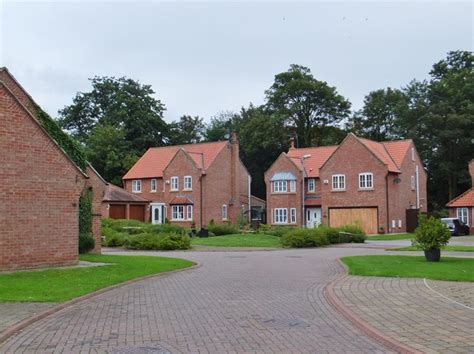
x=188 y=130
x=221 y=125
x=306 y=102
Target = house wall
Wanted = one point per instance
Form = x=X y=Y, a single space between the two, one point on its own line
x=283 y=200
x=39 y=193
x=350 y=159
x=98 y=186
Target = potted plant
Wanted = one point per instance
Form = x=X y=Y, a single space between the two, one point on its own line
x=430 y=235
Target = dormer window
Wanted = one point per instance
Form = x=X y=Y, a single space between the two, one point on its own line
x=136 y=186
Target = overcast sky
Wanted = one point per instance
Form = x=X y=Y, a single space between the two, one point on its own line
x=206 y=57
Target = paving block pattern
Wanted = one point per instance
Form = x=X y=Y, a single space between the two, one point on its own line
x=14 y=312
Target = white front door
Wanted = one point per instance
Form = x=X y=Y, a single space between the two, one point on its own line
x=313 y=217
x=157 y=215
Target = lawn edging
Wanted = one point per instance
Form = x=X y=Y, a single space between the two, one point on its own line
x=358 y=322
x=19 y=326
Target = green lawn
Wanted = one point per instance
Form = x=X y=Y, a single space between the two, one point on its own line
x=456 y=269
x=388 y=237
x=239 y=240
x=447 y=249
x=59 y=285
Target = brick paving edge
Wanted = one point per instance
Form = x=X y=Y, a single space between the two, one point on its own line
x=19 y=326
x=364 y=326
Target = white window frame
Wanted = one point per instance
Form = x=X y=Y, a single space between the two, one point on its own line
x=178 y=212
x=174 y=184
x=292 y=186
x=293 y=215
x=188 y=183
x=463 y=214
x=153 y=185
x=364 y=179
x=280 y=186
x=189 y=212
x=281 y=215
x=338 y=182
x=412 y=182
x=224 y=212
x=311 y=185
x=136 y=186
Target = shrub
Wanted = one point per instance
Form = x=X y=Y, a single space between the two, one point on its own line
x=332 y=234
x=223 y=229
x=86 y=242
x=119 y=224
x=163 y=241
x=114 y=238
x=278 y=231
x=164 y=228
x=430 y=234
x=299 y=238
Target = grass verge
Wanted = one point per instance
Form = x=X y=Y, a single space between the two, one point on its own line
x=239 y=240
x=58 y=285
x=389 y=237
x=447 y=249
x=455 y=269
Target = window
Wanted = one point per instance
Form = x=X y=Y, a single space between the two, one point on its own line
x=394 y=224
x=280 y=187
x=292 y=186
x=399 y=223
x=462 y=215
x=177 y=212
x=366 y=180
x=188 y=183
x=224 y=212
x=338 y=182
x=293 y=215
x=174 y=183
x=189 y=212
x=136 y=186
x=311 y=185
x=281 y=215
x=413 y=183
x=153 y=185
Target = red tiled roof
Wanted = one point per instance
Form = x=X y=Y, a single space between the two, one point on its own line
x=464 y=200
x=155 y=160
x=397 y=149
x=181 y=200
x=379 y=150
x=319 y=156
x=117 y=194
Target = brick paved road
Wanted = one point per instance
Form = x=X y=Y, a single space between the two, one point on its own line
x=236 y=302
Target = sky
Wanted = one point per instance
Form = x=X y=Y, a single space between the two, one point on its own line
x=202 y=58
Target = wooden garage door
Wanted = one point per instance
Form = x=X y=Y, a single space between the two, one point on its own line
x=137 y=212
x=117 y=211
x=367 y=217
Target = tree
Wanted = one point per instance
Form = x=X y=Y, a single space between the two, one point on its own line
x=378 y=118
x=306 y=102
x=188 y=130
x=221 y=126
x=123 y=103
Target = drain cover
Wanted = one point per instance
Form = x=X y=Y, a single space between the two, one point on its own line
x=147 y=349
x=283 y=324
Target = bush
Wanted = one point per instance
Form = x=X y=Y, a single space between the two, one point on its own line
x=164 y=228
x=431 y=233
x=223 y=229
x=278 y=231
x=299 y=238
x=114 y=238
x=86 y=243
x=119 y=224
x=163 y=241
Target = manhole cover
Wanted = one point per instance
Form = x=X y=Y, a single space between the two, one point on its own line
x=283 y=324
x=147 y=349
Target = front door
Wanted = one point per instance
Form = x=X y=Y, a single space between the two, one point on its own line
x=313 y=217
x=157 y=215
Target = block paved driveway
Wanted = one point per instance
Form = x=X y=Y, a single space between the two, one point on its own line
x=266 y=301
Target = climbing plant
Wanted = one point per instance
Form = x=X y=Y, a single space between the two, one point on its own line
x=86 y=241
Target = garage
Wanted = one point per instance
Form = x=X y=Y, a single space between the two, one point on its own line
x=137 y=212
x=118 y=211
x=366 y=217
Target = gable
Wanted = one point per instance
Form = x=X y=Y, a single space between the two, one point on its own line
x=282 y=164
x=182 y=162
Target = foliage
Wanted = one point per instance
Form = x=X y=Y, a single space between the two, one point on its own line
x=115 y=238
x=161 y=241
x=166 y=228
x=388 y=237
x=223 y=229
x=119 y=224
x=64 y=284
x=306 y=103
x=239 y=240
x=86 y=243
x=454 y=269
x=431 y=233
x=299 y=238
x=188 y=130
x=274 y=230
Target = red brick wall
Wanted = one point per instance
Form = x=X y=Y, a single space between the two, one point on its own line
x=39 y=193
x=287 y=200
x=350 y=159
x=98 y=191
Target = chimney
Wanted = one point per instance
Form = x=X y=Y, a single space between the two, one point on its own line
x=471 y=172
x=292 y=143
x=235 y=169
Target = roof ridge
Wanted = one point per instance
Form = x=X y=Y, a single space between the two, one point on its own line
x=459 y=196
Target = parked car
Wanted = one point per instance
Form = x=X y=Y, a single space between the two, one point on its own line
x=456 y=226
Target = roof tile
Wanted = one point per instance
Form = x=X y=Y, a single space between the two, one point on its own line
x=319 y=156
x=464 y=200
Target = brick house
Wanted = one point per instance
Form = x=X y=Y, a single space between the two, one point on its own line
x=192 y=183
x=462 y=206
x=121 y=204
x=381 y=185
x=40 y=189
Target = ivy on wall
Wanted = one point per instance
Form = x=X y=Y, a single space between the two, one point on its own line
x=86 y=241
x=70 y=146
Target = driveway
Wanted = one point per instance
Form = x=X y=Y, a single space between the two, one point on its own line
x=269 y=301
